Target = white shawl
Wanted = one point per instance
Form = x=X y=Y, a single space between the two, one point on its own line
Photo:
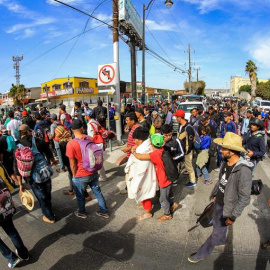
x=141 y=176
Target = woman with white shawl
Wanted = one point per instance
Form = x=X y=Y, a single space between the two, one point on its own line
x=141 y=175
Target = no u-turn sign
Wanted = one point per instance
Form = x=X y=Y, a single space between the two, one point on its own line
x=107 y=74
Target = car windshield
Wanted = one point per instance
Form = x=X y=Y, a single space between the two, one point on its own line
x=188 y=107
x=265 y=103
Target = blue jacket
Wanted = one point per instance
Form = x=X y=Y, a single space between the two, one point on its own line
x=225 y=127
x=205 y=142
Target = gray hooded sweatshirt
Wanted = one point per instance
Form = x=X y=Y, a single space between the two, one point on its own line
x=238 y=189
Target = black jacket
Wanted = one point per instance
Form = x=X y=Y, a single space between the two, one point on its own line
x=256 y=144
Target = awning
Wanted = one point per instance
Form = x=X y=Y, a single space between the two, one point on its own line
x=41 y=99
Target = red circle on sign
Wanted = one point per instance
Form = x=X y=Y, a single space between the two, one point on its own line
x=106 y=74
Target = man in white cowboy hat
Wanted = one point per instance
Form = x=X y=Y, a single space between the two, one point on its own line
x=231 y=193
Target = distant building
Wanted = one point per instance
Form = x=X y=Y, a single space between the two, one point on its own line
x=237 y=82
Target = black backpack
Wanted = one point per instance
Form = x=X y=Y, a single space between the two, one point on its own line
x=206 y=217
x=257 y=186
x=171 y=169
x=101 y=117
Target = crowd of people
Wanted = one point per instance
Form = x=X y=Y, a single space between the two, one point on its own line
x=33 y=141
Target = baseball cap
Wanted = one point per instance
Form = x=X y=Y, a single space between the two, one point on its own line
x=88 y=113
x=24 y=127
x=227 y=114
x=24 y=113
x=139 y=110
x=76 y=124
x=53 y=116
x=179 y=113
x=249 y=111
x=157 y=140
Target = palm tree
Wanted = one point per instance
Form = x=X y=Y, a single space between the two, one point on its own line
x=251 y=70
x=18 y=93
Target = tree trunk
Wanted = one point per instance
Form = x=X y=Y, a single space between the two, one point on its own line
x=253 y=86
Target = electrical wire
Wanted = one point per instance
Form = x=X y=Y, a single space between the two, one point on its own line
x=83 y=31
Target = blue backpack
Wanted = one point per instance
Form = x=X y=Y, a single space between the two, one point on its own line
x=41 y=170
x=10 y=143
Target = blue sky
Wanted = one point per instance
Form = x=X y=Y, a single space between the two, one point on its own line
x=223 y=33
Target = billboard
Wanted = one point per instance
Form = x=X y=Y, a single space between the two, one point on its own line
x=66 y=91
x=129 y=18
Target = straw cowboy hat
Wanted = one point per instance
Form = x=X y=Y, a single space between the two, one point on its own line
x=27 y=199
x=231 y=141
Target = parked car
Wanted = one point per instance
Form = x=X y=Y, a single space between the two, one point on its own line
x=265 y=104
x=187 y=107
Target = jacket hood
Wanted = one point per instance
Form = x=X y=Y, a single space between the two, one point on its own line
x=242 y=162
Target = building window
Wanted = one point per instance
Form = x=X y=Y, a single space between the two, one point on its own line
x=46 y=88
x=84 y=84
x=56 y=87
x=65 y=85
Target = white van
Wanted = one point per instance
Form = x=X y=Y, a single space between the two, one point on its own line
x=265 y=104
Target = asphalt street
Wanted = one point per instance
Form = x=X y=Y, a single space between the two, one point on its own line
x=121 y=242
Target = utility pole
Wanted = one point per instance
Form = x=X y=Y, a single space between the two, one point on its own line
x=116 y=61
x=189 y=71
x=16 y=65
x=133 y=68
x=197 y=69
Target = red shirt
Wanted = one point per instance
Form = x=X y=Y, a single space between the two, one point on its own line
x=74 y=151
x=156 y=159
x=130 y=141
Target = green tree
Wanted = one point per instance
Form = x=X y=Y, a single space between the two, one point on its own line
x=196 y=87
x=251 y=69
x=263 y=90
x=245 y=88
x=18 y=93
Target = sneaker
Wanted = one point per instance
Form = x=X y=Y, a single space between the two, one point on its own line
x=16 y=251
x=189 y=184
x=45 y=219
x=193 y=259
x=174 y=207
x=13 y=265
x=80 y=215
x=123 y=191
x=68 y=192
x=164 y=218
x=208 y=182
x=104 y=215
x=217 y=169
x=102 y=179
x=175 y=183
x=88 y=198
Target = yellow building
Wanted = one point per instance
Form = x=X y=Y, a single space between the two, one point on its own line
x=237 y=82
x=70 y=90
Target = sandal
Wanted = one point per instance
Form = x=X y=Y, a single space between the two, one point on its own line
x=144 y=216
x=164 y=217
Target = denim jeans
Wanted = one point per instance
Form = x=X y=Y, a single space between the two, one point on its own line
x=218 y=236
x=14 y=236
x=165 y=200
x=43 y=194
x=204 y=171
x=58 y=152
x=80 y=184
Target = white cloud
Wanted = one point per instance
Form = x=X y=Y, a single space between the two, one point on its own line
x=152 y=25
x=29 y=32
x=208 y=5
x=260 y=51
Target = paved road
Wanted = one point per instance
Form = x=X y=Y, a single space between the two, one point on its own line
x=121 y=242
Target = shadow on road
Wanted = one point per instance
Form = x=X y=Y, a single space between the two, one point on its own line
x=262 y=218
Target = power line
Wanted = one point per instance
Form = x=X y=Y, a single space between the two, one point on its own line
x=85 y=13
x=83 y=31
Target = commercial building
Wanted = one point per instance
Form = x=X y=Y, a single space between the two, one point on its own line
x=237 y=82
x=68 y=90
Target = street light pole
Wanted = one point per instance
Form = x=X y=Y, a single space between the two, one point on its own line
x=168 y=4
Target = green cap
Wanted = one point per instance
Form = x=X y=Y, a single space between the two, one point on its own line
x=157 y=140
x=28 y=109
x=249 y=111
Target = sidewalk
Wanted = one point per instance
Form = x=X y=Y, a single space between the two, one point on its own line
x=121 y=242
